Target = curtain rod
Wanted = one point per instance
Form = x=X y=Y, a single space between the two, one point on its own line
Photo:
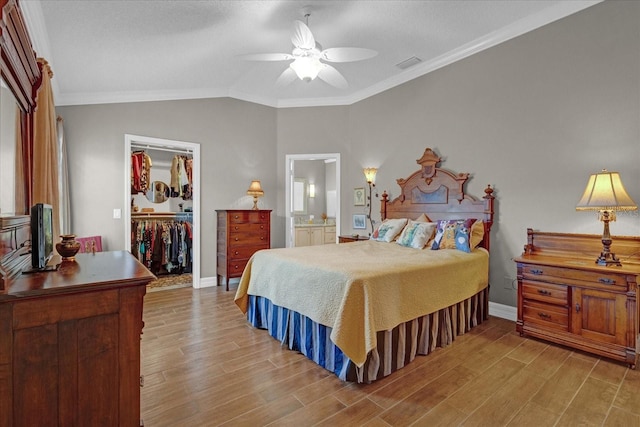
x=172 y=150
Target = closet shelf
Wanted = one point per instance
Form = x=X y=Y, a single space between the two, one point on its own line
x=137 y=215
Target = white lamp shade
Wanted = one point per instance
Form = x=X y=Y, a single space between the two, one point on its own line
x=370 y=174
x=605 y=191
x=255 y=189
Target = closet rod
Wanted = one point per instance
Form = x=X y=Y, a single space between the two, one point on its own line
x=172 y=150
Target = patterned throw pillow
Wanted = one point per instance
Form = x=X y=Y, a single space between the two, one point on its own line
x=423 y=218
x=453 y=234
x=388 y=230
x=416 y=234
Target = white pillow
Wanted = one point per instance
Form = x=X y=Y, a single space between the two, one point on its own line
x=389 y=229
x=416 y=234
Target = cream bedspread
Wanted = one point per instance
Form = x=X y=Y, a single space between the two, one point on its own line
x=362 y=287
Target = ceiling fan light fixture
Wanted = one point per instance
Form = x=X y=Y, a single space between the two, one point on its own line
x=306 y=68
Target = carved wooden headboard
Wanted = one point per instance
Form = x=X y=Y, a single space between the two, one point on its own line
x=439 y=194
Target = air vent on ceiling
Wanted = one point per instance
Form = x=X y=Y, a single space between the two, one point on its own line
x=410 y=62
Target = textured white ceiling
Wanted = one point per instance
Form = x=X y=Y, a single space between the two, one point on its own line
x=129 y=50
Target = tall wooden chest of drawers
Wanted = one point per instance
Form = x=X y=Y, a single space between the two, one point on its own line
x=566 y=298
x=240 y=234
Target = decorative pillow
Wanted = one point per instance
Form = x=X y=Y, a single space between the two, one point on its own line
x=423 y=218
x=477 y=233
x=416 y=234
x=388 y=230
x=453 y=234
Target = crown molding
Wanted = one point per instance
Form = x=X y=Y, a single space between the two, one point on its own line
x=34 y=19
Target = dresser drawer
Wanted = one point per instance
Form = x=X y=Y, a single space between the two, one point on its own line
x=247 y=227
x=244 y=252
x=248 y=216
x=549 y=315
x=545 y=292
x=244 y=239
x=235 y=268
x=570 y=276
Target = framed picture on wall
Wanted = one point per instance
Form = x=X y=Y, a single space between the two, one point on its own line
x=359 y=221
x=358 y=197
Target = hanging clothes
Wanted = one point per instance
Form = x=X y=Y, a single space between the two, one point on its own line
x=163 y=245
x=140 y=172
x=181 y=177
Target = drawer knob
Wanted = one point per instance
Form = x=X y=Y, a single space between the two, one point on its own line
x=536 y=271
x=236 y=216
x=237 y=227
x=261 y=237
x=236 y=253
x=236 y=266
x=544 y=292
x=577 y=308
x=237 y=238
x=544 y=315
x=607 y=281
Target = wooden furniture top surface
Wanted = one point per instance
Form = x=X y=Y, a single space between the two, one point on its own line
x=439 y=194
x=101 y=270
x=580 y=251
x=242 y=210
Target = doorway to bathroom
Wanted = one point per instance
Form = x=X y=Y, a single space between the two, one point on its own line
x=312 y=198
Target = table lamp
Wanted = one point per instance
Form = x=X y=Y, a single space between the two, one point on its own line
x=606 y=194
x=255 y=190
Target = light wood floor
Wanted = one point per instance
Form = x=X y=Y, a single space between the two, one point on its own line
x=205 y=366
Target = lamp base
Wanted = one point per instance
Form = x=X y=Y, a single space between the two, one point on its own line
x=255 y=204
x=608 y=258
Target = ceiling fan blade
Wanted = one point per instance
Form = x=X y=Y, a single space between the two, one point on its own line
x=347 y=54
x=302 y=37
x=266 y=57
x=286 y=77
x=332 y=77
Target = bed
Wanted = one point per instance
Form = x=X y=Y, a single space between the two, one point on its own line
x=365 y=309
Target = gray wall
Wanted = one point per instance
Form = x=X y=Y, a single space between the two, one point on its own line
x=533 y=116
x=237 y=145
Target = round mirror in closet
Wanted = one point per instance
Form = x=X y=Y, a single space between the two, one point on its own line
x=158 y=192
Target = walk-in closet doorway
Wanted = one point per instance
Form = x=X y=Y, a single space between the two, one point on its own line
x=168 y=148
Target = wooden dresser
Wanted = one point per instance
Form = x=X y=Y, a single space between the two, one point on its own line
x=15 y=239
x=70 y=343
x=566 y=298
x=240 y=234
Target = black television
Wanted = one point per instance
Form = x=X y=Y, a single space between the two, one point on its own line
x=41 y=235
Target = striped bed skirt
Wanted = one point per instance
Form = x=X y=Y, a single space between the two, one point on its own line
x=396 y=347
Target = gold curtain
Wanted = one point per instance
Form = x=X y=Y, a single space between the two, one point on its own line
x=45 y=148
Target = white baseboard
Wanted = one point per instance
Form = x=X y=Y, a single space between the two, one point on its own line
x=503 y=311
x=207 y=282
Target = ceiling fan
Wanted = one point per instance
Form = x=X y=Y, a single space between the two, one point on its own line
x=308 y=57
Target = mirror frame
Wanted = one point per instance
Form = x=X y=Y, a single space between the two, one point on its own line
x=18 y=63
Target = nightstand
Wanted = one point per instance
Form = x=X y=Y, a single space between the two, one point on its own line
x=349 y=239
